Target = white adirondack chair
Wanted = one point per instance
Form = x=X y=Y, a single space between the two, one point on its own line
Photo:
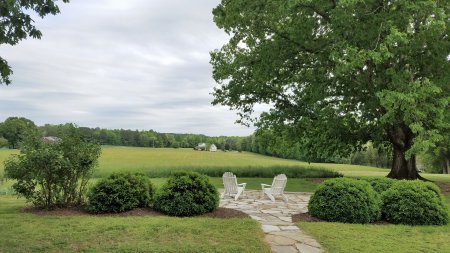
x=232 y=188
x=276 y=189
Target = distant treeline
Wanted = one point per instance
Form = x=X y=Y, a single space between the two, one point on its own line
x=13 y=129
x=262 y=142
x=275 y=144
x=147 y=138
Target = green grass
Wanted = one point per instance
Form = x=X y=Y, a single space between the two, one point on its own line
x=31 y=233
x=118 y=159
x=293 y=184
x=339 y=237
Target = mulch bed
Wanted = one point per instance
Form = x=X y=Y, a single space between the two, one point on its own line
x=306 y=217
x=445 y=187
x=317 y=180
x=220 y=213
x=226 y=213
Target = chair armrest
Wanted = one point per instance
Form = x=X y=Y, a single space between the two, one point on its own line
x=243 y=184
x=266 y=185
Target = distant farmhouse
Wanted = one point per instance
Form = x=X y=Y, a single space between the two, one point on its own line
x=51 y=139
x=205 y=147
x=200 y=147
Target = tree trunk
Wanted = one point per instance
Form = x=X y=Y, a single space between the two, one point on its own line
x=446 y=165
x=402 y=138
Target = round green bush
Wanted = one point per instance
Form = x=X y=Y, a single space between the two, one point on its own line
x=120 y=192
x=345 y=200
x=414 y=203
x=187 y=194
x=380 y=184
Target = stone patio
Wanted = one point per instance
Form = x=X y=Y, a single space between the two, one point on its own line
x=281 y=233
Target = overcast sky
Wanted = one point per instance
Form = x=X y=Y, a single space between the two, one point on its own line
x=133 y=64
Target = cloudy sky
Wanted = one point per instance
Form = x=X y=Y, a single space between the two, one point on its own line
x=133 y=64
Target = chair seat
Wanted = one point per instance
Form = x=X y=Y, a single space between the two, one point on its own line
x=276 y=189
x=232 y=188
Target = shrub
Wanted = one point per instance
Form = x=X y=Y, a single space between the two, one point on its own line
x=120 y=192
x=380 y=184
x=345 y=200
x=3 y=142
x=414 y=203
x=52 y=174
x=187 y=194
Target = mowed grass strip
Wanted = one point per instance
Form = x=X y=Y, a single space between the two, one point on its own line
x=23 y=232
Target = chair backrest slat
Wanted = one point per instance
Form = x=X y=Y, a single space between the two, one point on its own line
x=279 y=183
x=230 y=182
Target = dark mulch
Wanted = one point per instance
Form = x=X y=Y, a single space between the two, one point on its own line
x=306 y=217
x=317 y=180
x=80 y=211
x=220 y=213
x=445 y=187
x=226 y=213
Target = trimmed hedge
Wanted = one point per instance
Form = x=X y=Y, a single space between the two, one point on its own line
x=120 y=192
x=187 y=194
x=380 y=184
x=345 y=200
x=414 y=203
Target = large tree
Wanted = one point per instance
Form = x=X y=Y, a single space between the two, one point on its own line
x=17 y=24
x=14 y=130
x=338 y=73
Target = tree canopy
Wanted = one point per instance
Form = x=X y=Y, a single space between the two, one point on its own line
x=13 y=129
x=16 y=24
x=339 y=73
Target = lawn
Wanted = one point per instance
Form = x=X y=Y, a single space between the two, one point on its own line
x=30 y=233
x=23 y=232
x=348 y=238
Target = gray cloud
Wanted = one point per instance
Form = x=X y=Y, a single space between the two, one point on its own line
x=121 y=64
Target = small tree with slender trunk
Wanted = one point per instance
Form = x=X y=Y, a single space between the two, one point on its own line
x=50 y=174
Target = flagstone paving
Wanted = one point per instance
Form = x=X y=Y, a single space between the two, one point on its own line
x=281 y=233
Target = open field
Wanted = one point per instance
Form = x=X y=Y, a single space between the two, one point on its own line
x=119 y=159
x=115 y=159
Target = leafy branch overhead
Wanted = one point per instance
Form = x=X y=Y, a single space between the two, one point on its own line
x=339 y=73
x=17 y=24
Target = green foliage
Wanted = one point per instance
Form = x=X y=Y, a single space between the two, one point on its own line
x=345 y=200
x=414 y=203
x=150 y=138
x=253 y=171
x=17 y=24
x=368 y=238
x=15 y=128
x=337 y=74
x=53 y=174
x=121 y=192
x=187 y=194
x=4 y=143
x=373 y=156
x=380 y=184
